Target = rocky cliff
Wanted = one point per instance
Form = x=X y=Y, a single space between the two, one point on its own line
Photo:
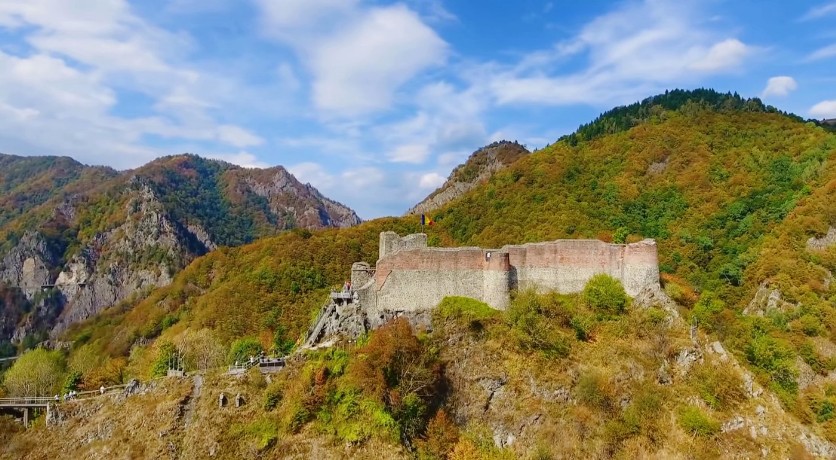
x=76 y=239
x=480 y=166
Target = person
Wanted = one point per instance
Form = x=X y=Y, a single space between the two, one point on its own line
x=346 y=285
x=56 y=398
x=101 y=390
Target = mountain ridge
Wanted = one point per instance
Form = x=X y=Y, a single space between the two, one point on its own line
x=97 y=237
x=478 y=167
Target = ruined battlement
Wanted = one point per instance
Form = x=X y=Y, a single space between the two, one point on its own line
x=411 y=278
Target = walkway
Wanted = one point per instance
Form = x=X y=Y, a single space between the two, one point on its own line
x=27 y=403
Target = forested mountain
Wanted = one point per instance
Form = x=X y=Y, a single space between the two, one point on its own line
x=76 y=239
x=740 y=201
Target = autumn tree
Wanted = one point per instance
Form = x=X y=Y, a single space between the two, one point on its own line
x=37 y=373
x=201 y=350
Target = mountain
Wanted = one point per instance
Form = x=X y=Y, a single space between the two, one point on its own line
x=78 y=239
x=480 y=166
x=738 y=197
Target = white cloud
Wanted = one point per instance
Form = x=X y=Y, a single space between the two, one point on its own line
x=358 y=56
x=630 y=52
x=728 y=54
x=824 y=109
x=819 y=12
x=449 y=159
x=363 y=189
x=363 y=178
x=311 y=173
x=237 y=136
x=779 y=86
x=244 y=159
x=431 y=181
x=409 y=153
x=69 y=86
x=822 y=53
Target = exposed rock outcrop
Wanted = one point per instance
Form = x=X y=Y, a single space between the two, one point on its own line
x=766 y=300
x=28 y=264
x=480 y=166
x=105 y=241
x=289 y=198
x=826 y=241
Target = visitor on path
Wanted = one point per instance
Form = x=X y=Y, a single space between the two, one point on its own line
x=101 y=390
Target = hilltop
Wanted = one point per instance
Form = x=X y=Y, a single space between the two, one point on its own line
x=739 y=200
x=100 y=236
x=480 y=166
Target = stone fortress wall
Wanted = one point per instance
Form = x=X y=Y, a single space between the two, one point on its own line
x=411 y=277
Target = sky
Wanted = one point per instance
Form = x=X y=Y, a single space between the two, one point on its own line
x=375 y=102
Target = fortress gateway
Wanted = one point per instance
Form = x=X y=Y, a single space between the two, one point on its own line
x=410 y=279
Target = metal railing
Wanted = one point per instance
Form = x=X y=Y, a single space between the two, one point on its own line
x=26 y=401
x=44 y=400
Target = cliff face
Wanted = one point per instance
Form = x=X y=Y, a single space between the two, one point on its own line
x=96 y=238
x=297 y=204
x=480 y=166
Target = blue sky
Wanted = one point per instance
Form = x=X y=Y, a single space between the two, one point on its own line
x=374 y=102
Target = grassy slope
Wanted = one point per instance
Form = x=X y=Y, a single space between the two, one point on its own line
x=524 y=374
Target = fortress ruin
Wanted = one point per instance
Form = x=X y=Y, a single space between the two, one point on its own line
x=410 y=278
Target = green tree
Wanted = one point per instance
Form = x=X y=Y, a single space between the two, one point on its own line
x=282 y=343
x=242 y=349
x=37 y=373
x=605 y=294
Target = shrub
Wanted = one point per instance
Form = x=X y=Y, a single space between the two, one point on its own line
x=776 y=358
x=242 y=349
x=282 y=344
x=583 y=325
x=593 y=390
x=262 y=433
x=825 y=409
x=533 y=330
x=707 y=310
x=809 y=324
x=466 y=311
x=273 y=396
x=695 y=422
x=398 y=377
x=620 y=235
x=166 y=359
x=440 y=438
x=605 y=294
x=642 y=415
x=719 y=387
x=72 y=382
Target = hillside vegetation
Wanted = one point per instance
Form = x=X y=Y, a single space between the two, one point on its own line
x=101 y=237
x=739 y=199
x=553 y=377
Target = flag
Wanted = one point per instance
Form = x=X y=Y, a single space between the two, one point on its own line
x=426 y=220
